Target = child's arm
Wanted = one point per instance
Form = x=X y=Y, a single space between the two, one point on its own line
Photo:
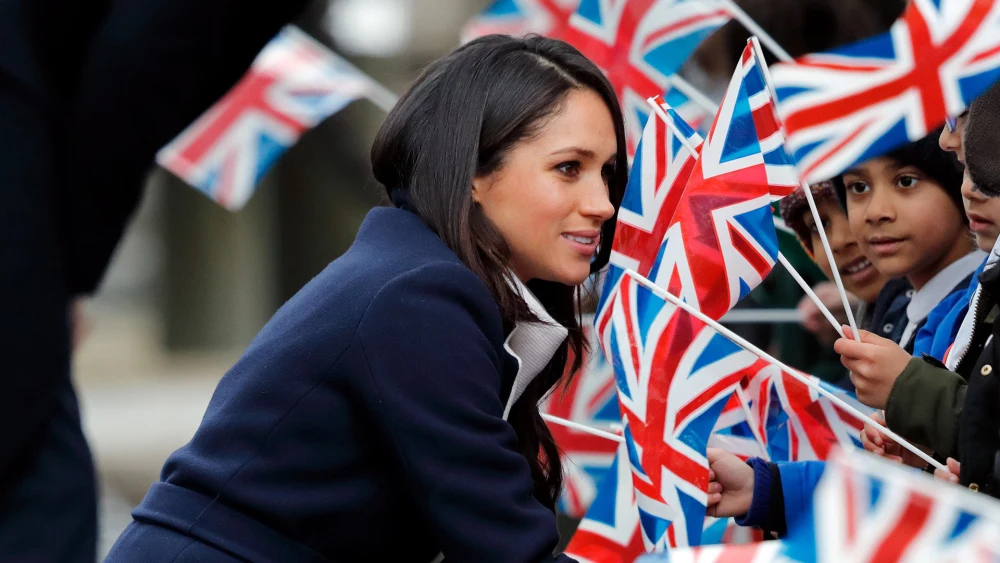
x=753 y=491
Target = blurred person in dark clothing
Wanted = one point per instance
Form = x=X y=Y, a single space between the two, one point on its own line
x=88 y=93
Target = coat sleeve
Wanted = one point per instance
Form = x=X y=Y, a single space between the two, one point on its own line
x=798 y=483
x=436 y=377
x=925 y=406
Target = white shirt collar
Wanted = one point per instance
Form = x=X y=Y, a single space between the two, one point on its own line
x=941 y=285
x=531 y=343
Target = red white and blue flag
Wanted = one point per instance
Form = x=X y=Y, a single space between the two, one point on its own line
x=674 y=377
x=519 y=17
x=293 y=84
x=720 y=242
x=660 y=171
x=763 y=552
x=610 y=531
x=795 y=422
x=640 y=43
x=869 y=510
x=862 y=100
x=591 y=400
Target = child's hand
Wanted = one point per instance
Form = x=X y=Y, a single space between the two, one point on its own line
x=950 y=474
x=730 y=487
x=872 y=440
x=813 y=319
x=875 y=363
x=879 y=444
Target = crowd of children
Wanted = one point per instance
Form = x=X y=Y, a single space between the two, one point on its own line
x=914 y=236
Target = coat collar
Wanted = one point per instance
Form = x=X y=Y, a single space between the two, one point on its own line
x=532 y=344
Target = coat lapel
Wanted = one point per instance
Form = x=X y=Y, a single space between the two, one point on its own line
x=532 y=344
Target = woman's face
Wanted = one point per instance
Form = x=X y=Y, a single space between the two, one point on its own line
x=549 y=197
x=858 y=274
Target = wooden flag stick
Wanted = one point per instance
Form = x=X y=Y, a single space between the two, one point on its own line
x=771 y=359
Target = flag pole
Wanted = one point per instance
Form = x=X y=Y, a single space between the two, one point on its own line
x=812 y=294
x=817 y=220
x=670 y=123
x=744 y=401
x=781 y=258
x=694 y=94
x=757 y=30
x=771 y=359
x=583 y=428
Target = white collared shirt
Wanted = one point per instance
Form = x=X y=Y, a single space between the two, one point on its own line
x=935 y=290
x=531 y=343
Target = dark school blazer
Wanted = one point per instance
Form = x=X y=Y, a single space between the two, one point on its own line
x=364 y=423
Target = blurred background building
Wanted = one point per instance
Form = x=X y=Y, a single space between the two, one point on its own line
x=192 y=283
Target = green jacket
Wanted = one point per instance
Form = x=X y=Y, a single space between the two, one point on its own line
x=925 y=406
x=927 y=400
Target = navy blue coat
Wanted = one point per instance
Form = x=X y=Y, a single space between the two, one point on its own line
x=364 y=423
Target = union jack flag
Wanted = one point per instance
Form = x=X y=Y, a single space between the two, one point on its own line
x=293 y=84
x=868 y=510
x=640 y=43
x=610 y=531
x=795 y=422
x=658 y=353
x=590 y=399
x=660 y=170
x=738 y=428
x=721 y=241
x=862 y=100
x=519 y=17
x=764 y=552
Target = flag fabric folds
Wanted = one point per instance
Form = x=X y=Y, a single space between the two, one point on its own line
x=868 y=510
x=519 y=17
x=720 y=241
x=640 y=43
x=660 y=351
x=589 y=399
x=862 y=100
x=292 y=85
x=794 y=421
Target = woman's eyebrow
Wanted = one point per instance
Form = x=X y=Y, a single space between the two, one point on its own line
x=585 y=153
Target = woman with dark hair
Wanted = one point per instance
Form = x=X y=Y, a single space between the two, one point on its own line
x=388 y=411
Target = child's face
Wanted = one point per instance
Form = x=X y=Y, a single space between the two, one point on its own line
x=983 y=213
x=857 y=272
x=903 y=220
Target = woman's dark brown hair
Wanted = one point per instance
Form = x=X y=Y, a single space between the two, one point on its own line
x=459 y=121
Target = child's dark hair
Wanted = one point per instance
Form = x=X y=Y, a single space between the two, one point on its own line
x=927 y=156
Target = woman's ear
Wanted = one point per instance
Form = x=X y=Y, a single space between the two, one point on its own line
x=479 y=186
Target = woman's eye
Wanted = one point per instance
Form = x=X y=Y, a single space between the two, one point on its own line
x=571 y=168
x=608 y=172
x=857 y=188
x=906 y=182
